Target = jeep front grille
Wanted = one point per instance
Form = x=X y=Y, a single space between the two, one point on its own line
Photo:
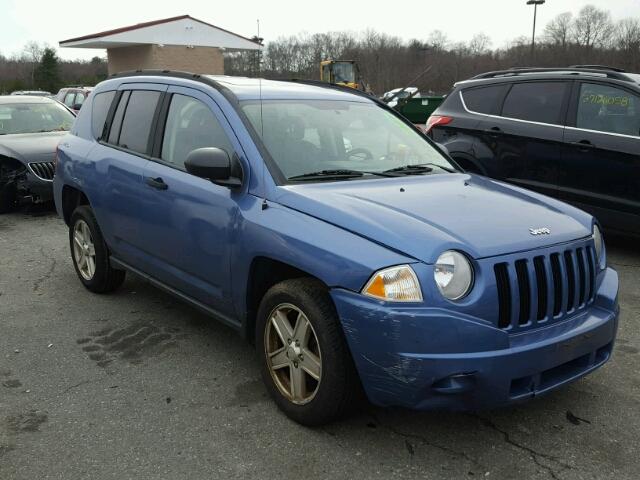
x=541 y=289
x=43 y=170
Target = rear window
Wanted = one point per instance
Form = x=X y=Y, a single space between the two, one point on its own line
x=101 y=103
x=483 y=99
x=136 y=124
x=535 y=102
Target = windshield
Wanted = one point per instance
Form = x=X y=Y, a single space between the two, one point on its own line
x=343 y=73
x=34 y=117
x=314 y=135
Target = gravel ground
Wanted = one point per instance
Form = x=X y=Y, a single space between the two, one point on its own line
x=135 y=385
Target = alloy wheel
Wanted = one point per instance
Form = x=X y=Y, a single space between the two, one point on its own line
x=84 y=251
x=293 y=353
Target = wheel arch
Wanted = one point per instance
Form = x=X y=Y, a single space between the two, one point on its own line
x=264 y=273
x=72 y=198
x=468 y=163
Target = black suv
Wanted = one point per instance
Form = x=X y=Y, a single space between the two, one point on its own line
x=571 y=133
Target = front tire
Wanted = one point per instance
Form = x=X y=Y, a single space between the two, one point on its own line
x=90 y=253
x=305 y=362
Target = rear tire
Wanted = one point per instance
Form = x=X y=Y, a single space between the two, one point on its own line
x=90 y=253
x=299 y=337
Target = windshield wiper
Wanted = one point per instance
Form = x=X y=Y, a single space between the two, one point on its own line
x=339 y=173
x=418 y=169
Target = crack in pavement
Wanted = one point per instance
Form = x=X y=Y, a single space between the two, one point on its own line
x=429 y=443
x=534 y=454
x=48 y=273
x=73 y=387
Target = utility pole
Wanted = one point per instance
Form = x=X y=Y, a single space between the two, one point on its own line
x=535 y=4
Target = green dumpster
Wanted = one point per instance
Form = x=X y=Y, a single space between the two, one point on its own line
x=417 y=110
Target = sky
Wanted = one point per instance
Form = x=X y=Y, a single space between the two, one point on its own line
x=503 y=20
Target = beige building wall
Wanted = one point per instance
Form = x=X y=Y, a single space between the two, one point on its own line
x=204 y=60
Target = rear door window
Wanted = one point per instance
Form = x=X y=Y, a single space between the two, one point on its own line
x=101 y=104
x=608 y=109
x=138 y=117
x=483 y=99
x=536 y=102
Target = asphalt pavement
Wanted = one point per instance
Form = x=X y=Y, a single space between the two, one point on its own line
x=135 y=385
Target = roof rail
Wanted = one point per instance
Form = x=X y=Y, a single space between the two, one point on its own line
x=599 y=67
x=582 y=70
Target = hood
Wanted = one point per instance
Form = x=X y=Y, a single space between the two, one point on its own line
x=30 y=147
x=421 y=216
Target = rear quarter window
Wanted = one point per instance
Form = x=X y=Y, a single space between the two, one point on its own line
x=483 y=99
x=101 y=104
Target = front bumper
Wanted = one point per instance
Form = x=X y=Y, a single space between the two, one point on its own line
x=431 y=358
x=32 y=189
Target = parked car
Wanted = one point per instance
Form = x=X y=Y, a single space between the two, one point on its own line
x=371 y=262
x=32 y=93
x=571 y=133
x=30 y=129
x=73 y=97
x=392 y=96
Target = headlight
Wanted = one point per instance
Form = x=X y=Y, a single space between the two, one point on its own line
x=395 y=284
x=598 y=243
x=453 y=274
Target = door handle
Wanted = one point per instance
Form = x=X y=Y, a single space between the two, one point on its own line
x=493 y=131
x=157 y=183
x=583 y=145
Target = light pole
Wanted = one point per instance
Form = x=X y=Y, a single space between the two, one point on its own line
x=535 y=4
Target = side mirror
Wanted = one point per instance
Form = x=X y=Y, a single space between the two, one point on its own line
x=443 y=149
x=76 y=107
x=214 y=164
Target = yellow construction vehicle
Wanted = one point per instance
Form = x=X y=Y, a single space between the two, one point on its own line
x=342 y=72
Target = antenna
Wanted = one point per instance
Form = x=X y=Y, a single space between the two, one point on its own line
x=264 y=166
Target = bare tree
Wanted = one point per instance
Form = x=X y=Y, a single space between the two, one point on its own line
x=438 y=40
x=627 y=40
x=480 y=44
x=33 y=52
x=558 y=30
x=627 y=36
x=592 y=28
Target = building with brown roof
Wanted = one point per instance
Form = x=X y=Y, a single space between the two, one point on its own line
x=177 y=43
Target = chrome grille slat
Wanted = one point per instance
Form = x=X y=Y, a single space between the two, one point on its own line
x=524 y=290
x=550 y=287
x=504 y=295
x=515 y=295
x=592 y=268
x=43 y=170
x=544 y=288
x=533 y=292
x=582 y=276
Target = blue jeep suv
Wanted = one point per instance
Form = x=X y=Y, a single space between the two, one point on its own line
x=325 y=228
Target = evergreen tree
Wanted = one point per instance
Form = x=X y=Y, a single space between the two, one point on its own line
x=47 y=73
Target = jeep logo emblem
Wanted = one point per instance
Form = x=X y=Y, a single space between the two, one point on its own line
x=540 y=231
